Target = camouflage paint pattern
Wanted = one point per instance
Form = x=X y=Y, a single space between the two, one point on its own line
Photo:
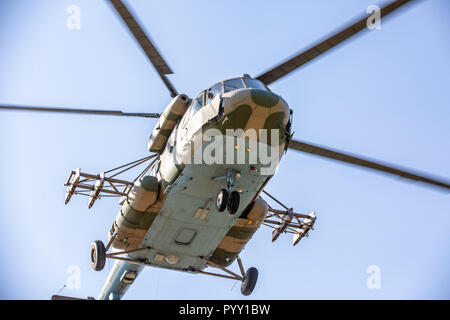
x=243 y=109
x=220 y=236
x=238 y=236
x=140 y=208
x=167 y=122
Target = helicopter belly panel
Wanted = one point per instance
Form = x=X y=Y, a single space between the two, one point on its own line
x=189 y=228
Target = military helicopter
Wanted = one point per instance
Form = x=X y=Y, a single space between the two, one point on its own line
x=188 y=215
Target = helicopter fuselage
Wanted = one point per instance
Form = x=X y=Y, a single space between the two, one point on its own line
x=239 y=134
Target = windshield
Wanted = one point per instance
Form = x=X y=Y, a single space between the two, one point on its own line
x=207 y=96
x=245 y=82
x=197 y=102
x=252 y=83
x=233 y=84
x=211 y=93
x=196 y=105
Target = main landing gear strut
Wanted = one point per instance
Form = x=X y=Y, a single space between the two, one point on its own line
x=227 y=198
x=248 y=278
x=99 y=254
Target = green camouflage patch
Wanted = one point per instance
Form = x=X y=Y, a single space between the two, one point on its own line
x=150 y=183
x=275 y=121
x=264 y=98
x=237 y=119
x=244 y=233
x=165 y=132
x=172 y=116
x=131 y=218
x=223 y=258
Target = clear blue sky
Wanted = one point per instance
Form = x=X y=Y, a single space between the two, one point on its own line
x=383 y=95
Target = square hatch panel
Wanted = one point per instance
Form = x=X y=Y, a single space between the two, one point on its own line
x=185 y=237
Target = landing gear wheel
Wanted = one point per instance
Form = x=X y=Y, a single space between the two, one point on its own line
x=222 y=200
x=98 y=255
x=247 y=286
x=233 y=202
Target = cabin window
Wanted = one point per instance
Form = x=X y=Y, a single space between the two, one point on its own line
x=128 y=277
x=212 y=92
x=252 y=83
x=233 y=84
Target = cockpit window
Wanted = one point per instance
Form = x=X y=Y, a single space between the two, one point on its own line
x=233 y=84
x=196 y=105
x=252 y=83
x=212 y=92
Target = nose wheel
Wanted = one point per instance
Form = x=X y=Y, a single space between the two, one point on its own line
x=233 y=202
x=222 y=200
x=228 y=199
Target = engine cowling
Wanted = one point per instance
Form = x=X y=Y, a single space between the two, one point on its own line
x=137 y=214
x=167 y=122
x=238 y=236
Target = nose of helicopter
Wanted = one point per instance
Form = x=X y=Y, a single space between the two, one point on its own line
x=254 y=109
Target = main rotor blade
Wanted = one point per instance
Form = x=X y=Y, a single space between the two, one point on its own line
x=81 y=111
x=318 y=49
x=366 y=163
x=144 y=41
